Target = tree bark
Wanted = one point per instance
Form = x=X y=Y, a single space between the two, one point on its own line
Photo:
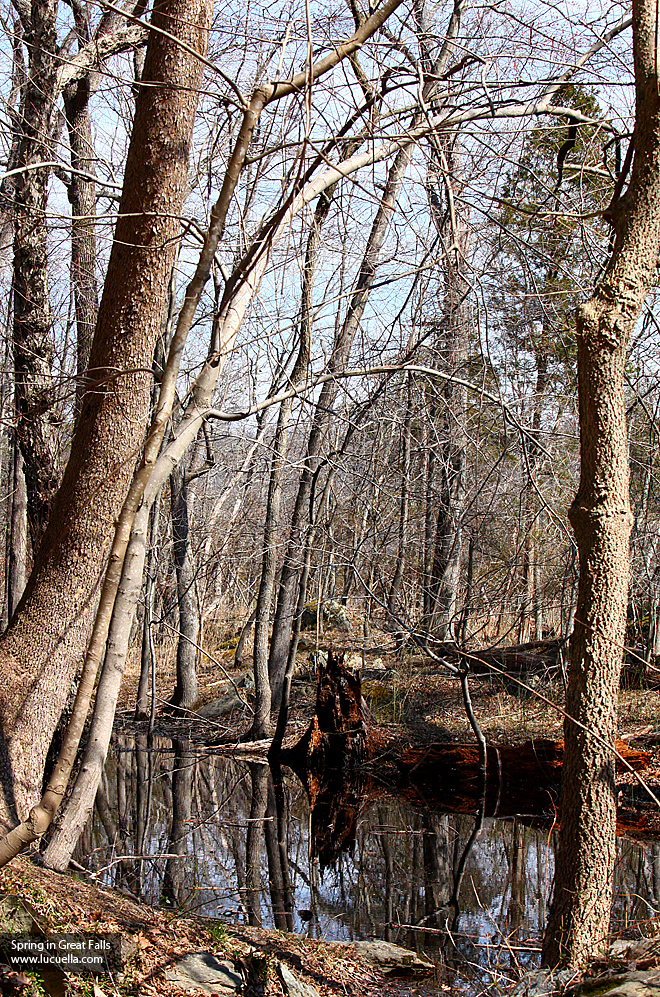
x=602 y=520
x=37 y=425
x=17 y=553
x=395 y=584
x=185 y=693
x=37 y=661
x=146 y=657
x=453 y=227
x=82 y=197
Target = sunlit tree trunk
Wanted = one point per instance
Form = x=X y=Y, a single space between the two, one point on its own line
x=36 y=663
x=602 y=521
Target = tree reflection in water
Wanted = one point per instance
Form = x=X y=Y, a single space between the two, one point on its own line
x=238 y=841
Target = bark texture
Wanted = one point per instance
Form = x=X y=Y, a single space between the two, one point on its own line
x=602 y=520
x=37 y=418
x=82 y=197
x=41 y=650
x=17 y=553
x=453 y=226
x=185 y=692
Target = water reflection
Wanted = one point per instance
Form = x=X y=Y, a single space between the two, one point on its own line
x=224 y=838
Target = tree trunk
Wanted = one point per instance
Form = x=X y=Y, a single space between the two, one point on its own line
x=82 y=197
x=531 y=607
x=80 y=802
x=602 y=520
x=279 y=447
x=17 y=536
x=37 y=425
x=146 y=657
x=37 y=665
x=453 y=229
x=185 y=692
x=395 y=584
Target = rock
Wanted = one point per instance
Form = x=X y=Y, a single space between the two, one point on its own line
x=645 y=983
x=353 y=661
x=202 y=971
x=292 y=985
x=377 y=665
x=219 y=707
x=18 y=917
x=334 y=615
x=390 y=957
x=627 y=950
x=230 y=700
x=542 y=983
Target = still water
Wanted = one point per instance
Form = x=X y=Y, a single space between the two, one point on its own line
x=222 y=837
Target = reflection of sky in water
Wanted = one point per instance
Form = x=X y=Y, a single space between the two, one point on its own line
x=402 y=869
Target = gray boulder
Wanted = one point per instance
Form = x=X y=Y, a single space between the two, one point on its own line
x=202 y=971
x=390 y=957
x=334 y=615
x=229 y=700
x=294 y=987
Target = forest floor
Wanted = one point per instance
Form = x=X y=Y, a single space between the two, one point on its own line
x=62 y=902
x=407 y=695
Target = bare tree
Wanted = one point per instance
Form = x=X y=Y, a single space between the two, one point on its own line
x=602 y=520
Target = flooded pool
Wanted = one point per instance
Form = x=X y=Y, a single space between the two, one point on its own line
x=185 y=827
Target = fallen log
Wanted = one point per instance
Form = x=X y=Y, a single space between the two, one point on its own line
x=520 y=779
x=538 y=657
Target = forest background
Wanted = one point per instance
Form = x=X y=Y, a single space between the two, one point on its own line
x=365 y=386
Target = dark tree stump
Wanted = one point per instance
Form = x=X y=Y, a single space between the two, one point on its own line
x=337 y=738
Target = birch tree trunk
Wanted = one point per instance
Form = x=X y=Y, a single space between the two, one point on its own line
x=602 y=520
